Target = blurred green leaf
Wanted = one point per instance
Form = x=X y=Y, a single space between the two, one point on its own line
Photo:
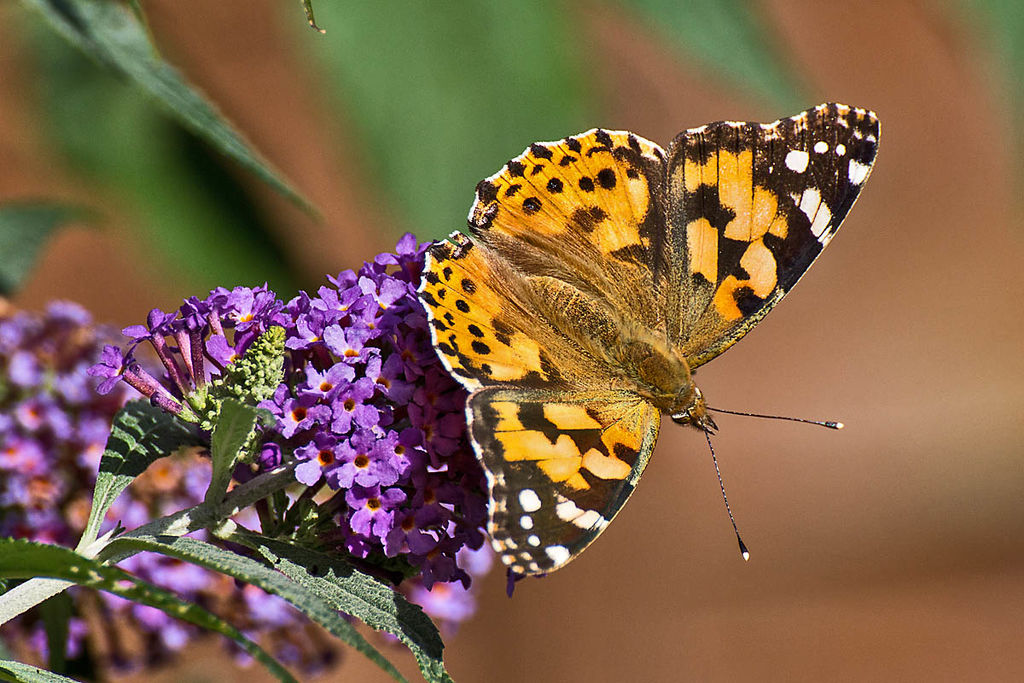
x=56 y=614
x=26 y=673
x=1003 y=20
x=202 y=227
x=110 y=32
x=729 y=37
x=24 y=229
x=442 y=93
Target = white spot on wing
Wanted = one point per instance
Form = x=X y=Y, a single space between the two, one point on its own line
x=821 y=147
x=589 y=519
x=810 y=202
x=840 y=149
x=529 y=500
x=559 y=554
x=526 y=521
x=797 y=160
x=567 y=510
x=858 y=172
x=533 y=540
x=821 y=221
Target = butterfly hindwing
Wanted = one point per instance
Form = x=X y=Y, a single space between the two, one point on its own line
x=560 y=465
x=751 y=207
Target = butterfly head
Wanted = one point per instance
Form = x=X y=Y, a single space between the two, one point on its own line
x=696 y=413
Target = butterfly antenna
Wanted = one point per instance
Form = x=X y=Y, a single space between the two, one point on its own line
x=743 y=548
x=830 y=424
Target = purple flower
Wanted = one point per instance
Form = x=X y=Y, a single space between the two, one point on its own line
x=365 y=410
x=373 y=509
x=51 y=438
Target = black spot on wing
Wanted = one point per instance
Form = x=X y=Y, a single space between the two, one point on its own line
x=486 y=191
x=748 y=302
x=706 y=202
x=540 y=151
x=531 y=205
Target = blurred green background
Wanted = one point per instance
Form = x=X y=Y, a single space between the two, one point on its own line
x=204 y=144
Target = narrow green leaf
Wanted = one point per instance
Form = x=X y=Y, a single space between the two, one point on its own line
x=140 y=434
x=23 y=559
x=16 y=672
x=368 y=599
x=56 y=615
x=110 y=31
x=307 y=6
x=729 y=37
x=249 y=570
x=443 y=92
x=230 y=436
x=24 y=229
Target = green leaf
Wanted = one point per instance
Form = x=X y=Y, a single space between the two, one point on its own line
x=443 y=92
x=24 y=229
x=141 y=433
x=110 y=31
x=198 y=219
x=22 y=559
x=1003 y=22
x=368 y=599
x=249 y=570
x=307 y=6
x=26 y=673
x=732 y=38
x=56 y=614
x=227 y=445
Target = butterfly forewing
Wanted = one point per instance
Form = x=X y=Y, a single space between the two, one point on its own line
x=560 y=465
x=585 y=210
x=752 y=206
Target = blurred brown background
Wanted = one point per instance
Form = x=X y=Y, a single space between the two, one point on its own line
x=889 y=551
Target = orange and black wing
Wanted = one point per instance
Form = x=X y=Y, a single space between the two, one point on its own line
x=750 y=207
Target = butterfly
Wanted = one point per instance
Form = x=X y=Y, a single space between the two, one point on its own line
x=599 y=272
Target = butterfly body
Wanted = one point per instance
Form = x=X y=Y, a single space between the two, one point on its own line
x=600 y=272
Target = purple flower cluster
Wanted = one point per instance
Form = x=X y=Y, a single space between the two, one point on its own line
x=53 y=430
x=365 y=408
x=53 y=426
